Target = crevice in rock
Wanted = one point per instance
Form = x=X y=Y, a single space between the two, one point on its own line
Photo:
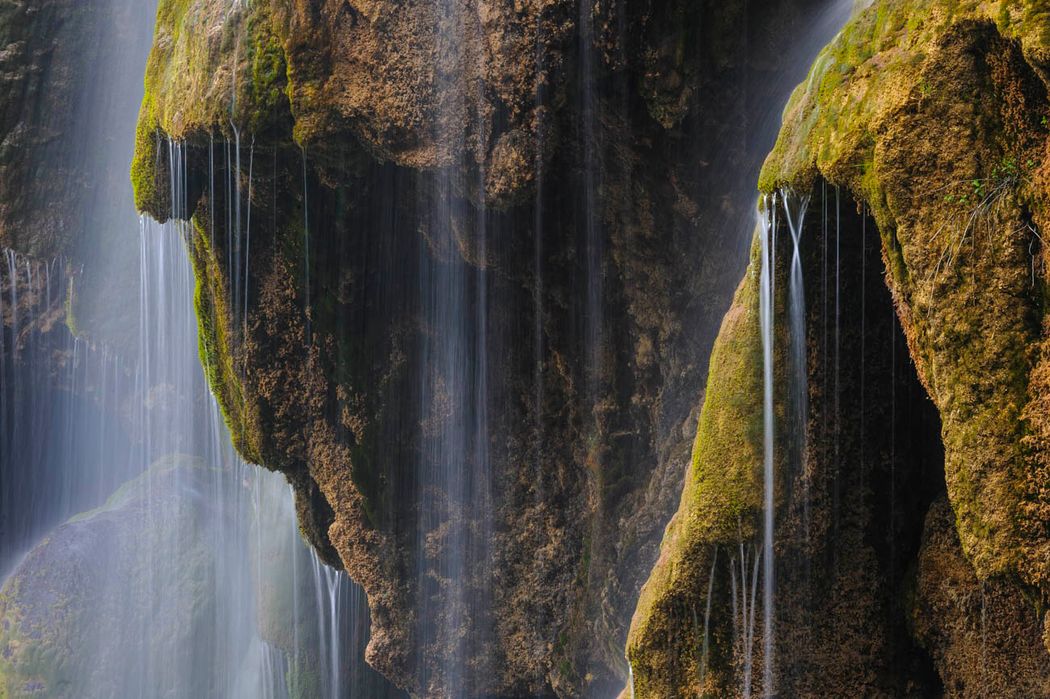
x=852 y=523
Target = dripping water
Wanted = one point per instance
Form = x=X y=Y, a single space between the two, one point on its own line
x=863 y=345
x=794 y=210
x=744 y=597
x=837 y=392
x=767 y=237
x=705 y=649
x=454 y=463
x=248 y=232
x=593 y=240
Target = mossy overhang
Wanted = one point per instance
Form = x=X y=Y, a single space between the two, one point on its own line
x=933 y=114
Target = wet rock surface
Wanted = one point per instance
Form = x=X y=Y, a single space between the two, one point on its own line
x=556 y=166
x=106 y=573
x=931 y=117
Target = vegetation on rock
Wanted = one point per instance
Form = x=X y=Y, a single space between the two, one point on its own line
x=932 y=116
x=938 y=123
x=385 y=151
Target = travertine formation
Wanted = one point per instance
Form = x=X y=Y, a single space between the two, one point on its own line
x=930 y=118
x=570 y=161
x=573 y=160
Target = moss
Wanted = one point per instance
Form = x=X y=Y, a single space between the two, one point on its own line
x=213 y=70
x=215 y=336
x=267 y=89
x=981 y=635
x=148 y=168
x=304 y=680
x=70 y=304
x=912 y=103
x=868 y=71
x=722 y=490
x=941 y=147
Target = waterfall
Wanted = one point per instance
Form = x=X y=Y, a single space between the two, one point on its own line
x=454 y=466
x=744 y=596
x=198 y=500
x=188 y=579
x=593 y=241
x=306 y=251
x=46 y=377
x=794 y=213
x=799 y=378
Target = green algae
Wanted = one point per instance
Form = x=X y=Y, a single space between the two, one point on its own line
x=722 y=490
x=215 y=338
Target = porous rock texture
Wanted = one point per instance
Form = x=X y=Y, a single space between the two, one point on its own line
x=559 y=170
x=931 y=119
x=983 y=635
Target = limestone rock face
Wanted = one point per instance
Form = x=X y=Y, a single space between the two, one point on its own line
x=982 y=635
x=470 y=310
x=927 y=123
x=952 y=164
x=849 y=496
x=419 y=84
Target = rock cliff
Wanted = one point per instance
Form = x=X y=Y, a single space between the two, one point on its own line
x=459 y=269
x=928 y=123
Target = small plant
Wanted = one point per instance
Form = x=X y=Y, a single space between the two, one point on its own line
x=977 y=198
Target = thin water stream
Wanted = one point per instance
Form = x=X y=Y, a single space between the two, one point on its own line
x=136 y=546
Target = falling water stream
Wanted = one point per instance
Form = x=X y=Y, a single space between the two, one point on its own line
x=203 y=585
x=768 y=231
x=192 y=546
x=134 y=541
x=776 y=210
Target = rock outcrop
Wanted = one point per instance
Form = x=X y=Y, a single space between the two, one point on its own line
x=413 y=219
x=930 y=119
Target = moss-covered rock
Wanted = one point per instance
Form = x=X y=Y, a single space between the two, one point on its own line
x=418 y=148
x=852 y=479
x=982 y=634
x=936 y=118
x=215 y=337
x=722 y=493
x=933 y=117
x=377 y=72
